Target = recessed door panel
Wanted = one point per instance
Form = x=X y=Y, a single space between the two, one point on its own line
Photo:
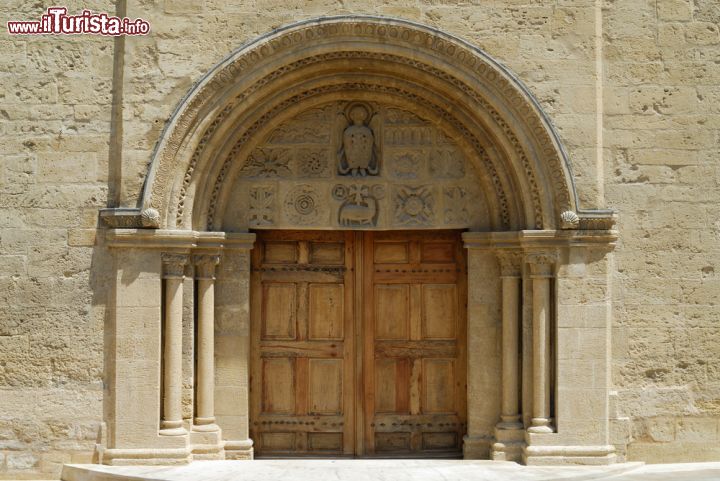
x=358 y=344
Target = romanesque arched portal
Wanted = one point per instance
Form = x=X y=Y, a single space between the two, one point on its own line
x=360 y=124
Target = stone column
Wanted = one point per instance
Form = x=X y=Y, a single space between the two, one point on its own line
x=541 y=268
x=205 y=381
x=173 y=274
x=509 y=434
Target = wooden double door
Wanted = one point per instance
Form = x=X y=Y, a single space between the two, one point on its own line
x=358 y=344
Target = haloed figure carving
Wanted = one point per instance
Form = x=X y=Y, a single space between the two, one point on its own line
x=358 y=154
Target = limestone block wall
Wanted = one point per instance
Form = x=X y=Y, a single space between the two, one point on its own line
x=661 y=169
x=62 y=157
x=55 y=97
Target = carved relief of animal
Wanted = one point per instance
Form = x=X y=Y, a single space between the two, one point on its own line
x=359 y=214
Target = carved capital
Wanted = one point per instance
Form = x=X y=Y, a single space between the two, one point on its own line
x=174 y=264
x=542 y=264
x=205 y=265
x=510 y=263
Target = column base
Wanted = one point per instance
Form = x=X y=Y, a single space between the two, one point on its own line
x=205 y=425
x=207 y=444
x=181 y=431
x=476 y=447
x=239 y=449
x=509 y=442
x=540 y=426
x=129 y=457
x=558 y=455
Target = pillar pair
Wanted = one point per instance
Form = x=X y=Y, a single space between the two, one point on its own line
x=541 y=266
x=174 y=274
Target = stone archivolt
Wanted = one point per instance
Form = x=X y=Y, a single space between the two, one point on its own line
x=526 y=154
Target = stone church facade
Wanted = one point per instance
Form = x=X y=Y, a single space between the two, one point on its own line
x=404 y=229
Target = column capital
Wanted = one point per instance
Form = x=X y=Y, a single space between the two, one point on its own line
x=173 y=264
x=205 y=265
x=542 y=263
x=510 y=263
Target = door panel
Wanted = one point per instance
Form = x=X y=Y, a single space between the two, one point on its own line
x=414 y=346
x=302 y=385
x=377 y=350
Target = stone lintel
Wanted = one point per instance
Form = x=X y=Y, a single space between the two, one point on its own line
x=538 y=239
x=181 y=240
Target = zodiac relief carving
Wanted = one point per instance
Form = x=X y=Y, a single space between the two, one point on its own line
x=358 y=154
x=360 y=204
x=414 y=205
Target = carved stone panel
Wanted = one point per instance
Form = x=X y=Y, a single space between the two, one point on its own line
x=353 y=164
x=303 y=205
x=262 y=206
x=414 y=206
x=358 y=150
x=360 y=204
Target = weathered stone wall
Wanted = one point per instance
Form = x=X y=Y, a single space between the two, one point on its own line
x=54 y=132
x=660 y=98
x=661 y=139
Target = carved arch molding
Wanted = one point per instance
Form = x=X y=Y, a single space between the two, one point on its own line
x=444 y=120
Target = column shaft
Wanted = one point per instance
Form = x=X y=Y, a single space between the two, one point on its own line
x=173 y=267
x=205 y=395
x=541 y=266
x=510 y=343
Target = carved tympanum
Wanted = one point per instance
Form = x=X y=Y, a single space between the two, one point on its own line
x=295 y=177
x=358 y=154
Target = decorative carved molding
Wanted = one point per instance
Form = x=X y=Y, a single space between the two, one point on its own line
x=456 y=52
x=595 y=222
x=150 y=218
x=569 y=220
x=173 y=264
x=414 y=206
x=510 y=263
x=360 y=204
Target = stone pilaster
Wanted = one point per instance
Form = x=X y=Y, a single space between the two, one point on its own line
x=232 y=326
